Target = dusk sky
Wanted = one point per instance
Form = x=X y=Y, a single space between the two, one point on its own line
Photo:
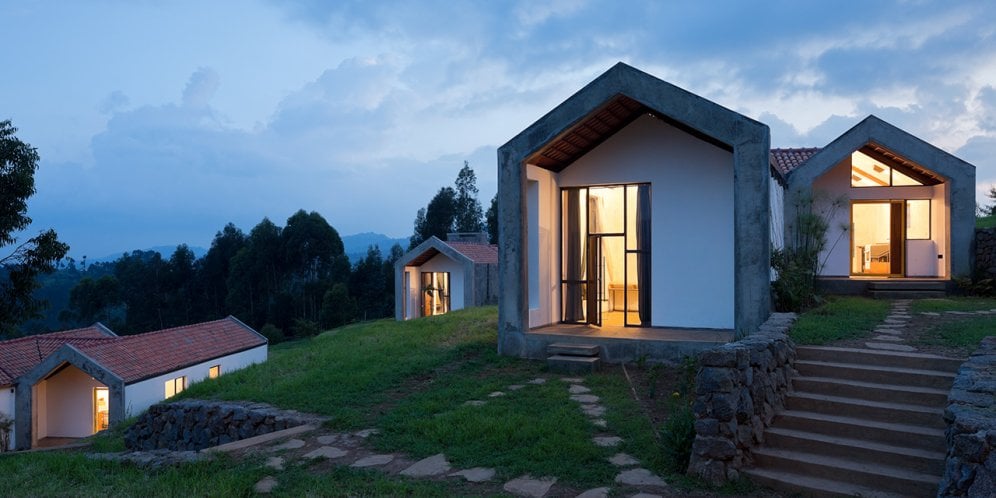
x=159 y=122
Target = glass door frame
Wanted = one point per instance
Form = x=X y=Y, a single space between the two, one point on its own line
x=897 y=248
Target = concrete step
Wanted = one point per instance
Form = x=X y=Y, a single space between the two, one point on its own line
x=573 y=364
x=879 y=411
x=881 y=375
x=921 y=396
x=565 y=349
x=927 y=285
x=899 y=434
x=872 y=475
x=812 y=487
x=926 y=461
x=919 y=361
x=906 y=294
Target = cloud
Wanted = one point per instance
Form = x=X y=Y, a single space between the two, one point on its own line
x=200 y=88
x=114 y=101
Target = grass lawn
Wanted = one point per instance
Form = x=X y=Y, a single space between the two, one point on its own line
x=409 y=379
x=965 y=334
x=840 y=318
x=985 y=221
x=953 y=304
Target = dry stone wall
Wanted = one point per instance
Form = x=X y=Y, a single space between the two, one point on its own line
x=985 y=252
x=196 y=424
x=738 y=390
x=970 y=469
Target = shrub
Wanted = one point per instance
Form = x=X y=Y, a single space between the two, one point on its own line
x=6 y=426
x=273 y=333
x=304 y=328
x=798 y=264
x=677 y=436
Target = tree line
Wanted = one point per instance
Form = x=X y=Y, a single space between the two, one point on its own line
x=456 y=209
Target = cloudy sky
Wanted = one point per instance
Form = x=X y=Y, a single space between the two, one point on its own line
x=159 y=122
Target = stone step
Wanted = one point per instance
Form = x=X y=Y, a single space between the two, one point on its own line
x=880 y=358
x=878 y=374
x=926 y=461
x=872 y=475
x=900 y=434
x=906 y=294
x=573 y=364
x=565 y=349
x=921 y=396
x=879 y=411
x=812 y=487
x=927 y=285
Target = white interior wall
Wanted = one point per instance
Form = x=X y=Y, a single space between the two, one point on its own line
x=836 y=182
x=442 y=263
x=692 y=218
x=7 y=406
x=143 y=394
x=777 y=207
x=544 y=236
x=69 y=407
x=410 y=279
x=39 y=400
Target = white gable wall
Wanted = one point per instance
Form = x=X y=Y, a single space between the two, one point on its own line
x=145 y=393
x=543 y=238
x=69 y=404
x=692 y=221
x=921 y=255
x=7 y=399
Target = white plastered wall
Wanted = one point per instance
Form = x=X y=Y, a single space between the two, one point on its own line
x=921 y=255
x=543 y=234
x=145 y=393
x=7 y=406
x=438 y=263
x=68 y=408
x=692 y=221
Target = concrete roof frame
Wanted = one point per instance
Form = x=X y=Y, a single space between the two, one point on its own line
x=958 y=175
x=748 y=139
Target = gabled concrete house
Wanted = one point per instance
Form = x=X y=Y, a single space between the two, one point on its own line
x=438 y=276
x=632 y=210
x=75 y=383
x=906 y=209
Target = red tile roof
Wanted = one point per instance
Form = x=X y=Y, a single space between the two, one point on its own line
x=18 y=356
x=138 y=357
x=477 y=252
x=787 y=160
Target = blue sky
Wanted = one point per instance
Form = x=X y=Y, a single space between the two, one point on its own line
x=159 y=122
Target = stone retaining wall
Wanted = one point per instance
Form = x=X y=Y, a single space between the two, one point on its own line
x=985 y=252
x=970 y=469
x=195 y=424
x=738 y=390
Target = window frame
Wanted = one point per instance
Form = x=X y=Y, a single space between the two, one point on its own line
x=180 y=382
x=214 y=371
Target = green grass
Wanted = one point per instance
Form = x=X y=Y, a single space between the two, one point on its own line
x=964 y=334
x=840 y=318
x=953 y=304
x=985 y=221
x=348 y=372
x=410 y=380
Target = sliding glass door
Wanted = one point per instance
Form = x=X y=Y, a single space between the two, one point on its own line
x=606 y=255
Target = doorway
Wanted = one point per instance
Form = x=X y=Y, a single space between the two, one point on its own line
x=878 y=238
x=606 y=255
x=101 y=409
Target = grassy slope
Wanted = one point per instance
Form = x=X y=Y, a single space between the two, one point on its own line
x=411 y=380
x=839 y=318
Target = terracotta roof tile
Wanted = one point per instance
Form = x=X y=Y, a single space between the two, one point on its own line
x=136 y=357
x=478 y=253
x=787 y=160
x=18 y=356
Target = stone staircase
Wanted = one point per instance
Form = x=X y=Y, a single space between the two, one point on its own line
x=859 y=423
x=907 y=289
x=573 y=358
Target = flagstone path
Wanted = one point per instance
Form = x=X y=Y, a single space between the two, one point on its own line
x=890 y=334
x=350 y=449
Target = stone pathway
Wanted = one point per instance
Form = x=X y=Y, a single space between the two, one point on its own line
x=350 y=449
x=890 y=334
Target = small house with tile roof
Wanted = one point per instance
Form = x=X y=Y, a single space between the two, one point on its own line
x=899 y=208
x=75 y=383
x=440 y=276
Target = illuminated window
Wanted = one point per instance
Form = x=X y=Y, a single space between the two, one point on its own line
x=214 y=372
x=918 y=219
x=867 y=172
x=175 y=386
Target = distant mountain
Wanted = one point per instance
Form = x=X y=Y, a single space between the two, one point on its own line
x=164 y=251
x=356 y=245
